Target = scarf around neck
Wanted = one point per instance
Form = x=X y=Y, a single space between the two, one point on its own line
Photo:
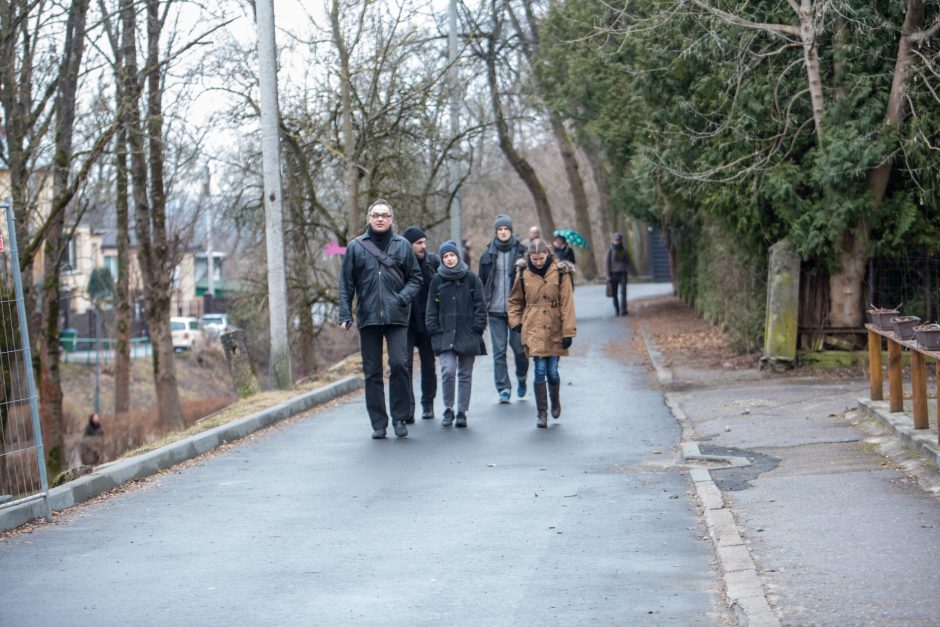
x=456 y=273
x=506 y=246
x=381 y=240
x=540 y=271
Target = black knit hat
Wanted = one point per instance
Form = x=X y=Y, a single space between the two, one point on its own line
x=413 y=234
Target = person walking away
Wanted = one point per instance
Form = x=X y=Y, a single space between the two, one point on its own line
x=497 y=272
x=417 y=333
x=541 y=305
x=618 y=266
x=561 y=250
x=456 y=319
x=380 y=270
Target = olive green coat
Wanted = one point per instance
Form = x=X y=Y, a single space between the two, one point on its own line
x=544 y=307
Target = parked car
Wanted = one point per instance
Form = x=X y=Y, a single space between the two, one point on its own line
x=214 y=325
x=186 y=333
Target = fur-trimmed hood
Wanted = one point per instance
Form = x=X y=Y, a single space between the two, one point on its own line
x=564 y=267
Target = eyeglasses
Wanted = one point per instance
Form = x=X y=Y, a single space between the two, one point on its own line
x=381 y=216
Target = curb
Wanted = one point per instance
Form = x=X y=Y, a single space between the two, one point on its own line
x=110 y=476
x=743 y=587
x=902 y=425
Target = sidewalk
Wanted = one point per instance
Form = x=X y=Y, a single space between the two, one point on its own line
x=819 y=513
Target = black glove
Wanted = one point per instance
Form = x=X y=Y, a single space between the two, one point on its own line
x=565 y=342
x=517 y=328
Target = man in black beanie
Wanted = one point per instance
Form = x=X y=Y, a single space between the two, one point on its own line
x=497 y=272
x=417 y=332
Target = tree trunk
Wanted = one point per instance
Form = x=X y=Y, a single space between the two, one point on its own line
x=811 y=62
x=353 y=219
x=588 y=262
x=155 y=273
x=594 y=155
x=846 y=295
x=122 y=298
x=522 y=167
x=49 y=351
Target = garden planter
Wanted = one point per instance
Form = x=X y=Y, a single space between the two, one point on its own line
x=904 y=326
x=928 y=336
x=881 y=318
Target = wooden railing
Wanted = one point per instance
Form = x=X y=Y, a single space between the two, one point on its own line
x=895 y=374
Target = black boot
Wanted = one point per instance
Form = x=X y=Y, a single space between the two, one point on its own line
x=461 y=420
x=541 y=405
x=553 y=392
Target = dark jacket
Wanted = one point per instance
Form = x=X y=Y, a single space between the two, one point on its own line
x=456 y=316
x=420 y=304
x=618 y=260
x=381 y=300
x=487 y=262
x=563 y=254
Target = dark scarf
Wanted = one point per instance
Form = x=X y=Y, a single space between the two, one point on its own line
x=506 y=246
x=381 y=240
x=457 y=273
x=540 y=271
x=618 y=252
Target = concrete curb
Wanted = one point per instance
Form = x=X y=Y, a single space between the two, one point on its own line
x=743 y=587
x=921 y=441
x=109 y=476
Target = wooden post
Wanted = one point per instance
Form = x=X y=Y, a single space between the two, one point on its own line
x=239 y=363
x=895 y=382
x=919 y=389
x=875 y=375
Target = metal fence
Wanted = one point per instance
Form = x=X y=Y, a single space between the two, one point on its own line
x=22 y=460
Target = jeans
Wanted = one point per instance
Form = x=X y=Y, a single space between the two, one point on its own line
x=421 y=341
x=546 y=366
x=500 y=336
x=456 y=369
x=370 y=345
x=619 y=281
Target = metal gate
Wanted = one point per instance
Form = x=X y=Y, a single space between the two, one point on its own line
x=22 y=460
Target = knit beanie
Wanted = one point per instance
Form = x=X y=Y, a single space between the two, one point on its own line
x=450 y=246
x=502 y=220
x=413 y=234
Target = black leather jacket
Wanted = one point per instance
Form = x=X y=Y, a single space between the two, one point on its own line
x=420 y=304
x=381 y=300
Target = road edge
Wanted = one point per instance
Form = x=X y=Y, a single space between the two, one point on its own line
x=109 y=476
x=744 y=590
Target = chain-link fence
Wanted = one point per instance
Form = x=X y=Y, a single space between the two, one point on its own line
x=22 y=461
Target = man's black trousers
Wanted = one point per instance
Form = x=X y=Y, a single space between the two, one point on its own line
x=422 y=341
x=370 y=345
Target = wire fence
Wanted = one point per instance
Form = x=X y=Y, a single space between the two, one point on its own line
x=22 y=460
x=911 y=281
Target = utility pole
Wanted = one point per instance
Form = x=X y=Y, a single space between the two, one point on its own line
x=210 y=276
x=279 y=369
x=453 y=173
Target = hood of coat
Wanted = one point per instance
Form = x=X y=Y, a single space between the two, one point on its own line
x=563 y=267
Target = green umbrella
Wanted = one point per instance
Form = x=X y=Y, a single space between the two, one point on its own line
x=572 y=237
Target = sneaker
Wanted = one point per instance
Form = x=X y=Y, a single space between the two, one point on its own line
x=504 y=396
x=410 y=420
x=461 y=420
x=520 y=391
x=448 y=418
x=428 y=413
x=400 y=430
x=378 y=434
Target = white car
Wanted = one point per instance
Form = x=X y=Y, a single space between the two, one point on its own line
x=214 y=324
x=186 y=333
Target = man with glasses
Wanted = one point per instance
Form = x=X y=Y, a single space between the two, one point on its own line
x=380 y=269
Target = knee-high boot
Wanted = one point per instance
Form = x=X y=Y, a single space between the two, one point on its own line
x=541 y=404
x=554 y=389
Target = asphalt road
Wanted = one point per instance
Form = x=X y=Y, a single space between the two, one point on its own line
x=314 y=523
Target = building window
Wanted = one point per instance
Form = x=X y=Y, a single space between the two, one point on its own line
x=111 y=263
